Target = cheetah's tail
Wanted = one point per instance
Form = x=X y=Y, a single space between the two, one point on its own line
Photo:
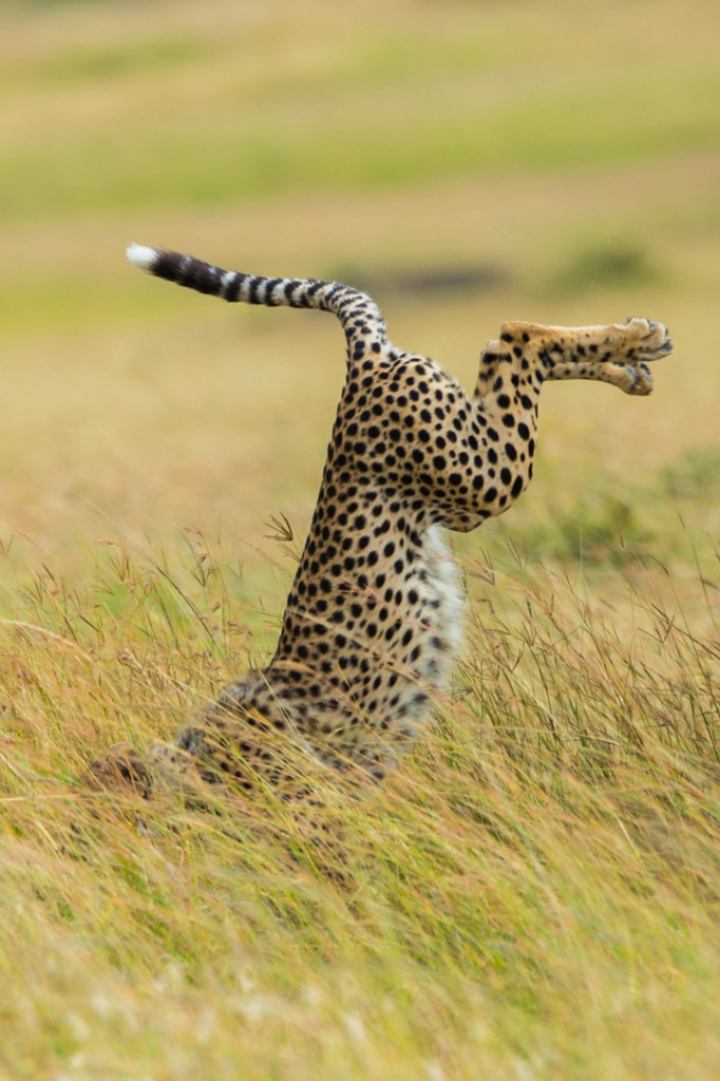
x=358 y=314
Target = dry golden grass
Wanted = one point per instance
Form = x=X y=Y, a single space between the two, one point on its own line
x=535 y=894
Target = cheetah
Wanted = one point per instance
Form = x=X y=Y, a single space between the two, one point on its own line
x=374 y=615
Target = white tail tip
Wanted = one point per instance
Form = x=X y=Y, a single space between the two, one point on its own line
x=142 y=257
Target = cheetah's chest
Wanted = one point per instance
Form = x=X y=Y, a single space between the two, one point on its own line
x=442 y=609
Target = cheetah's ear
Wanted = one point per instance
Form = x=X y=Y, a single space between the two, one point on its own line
x=142 y=257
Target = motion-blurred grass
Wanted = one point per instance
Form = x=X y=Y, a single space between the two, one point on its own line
x=536 y=893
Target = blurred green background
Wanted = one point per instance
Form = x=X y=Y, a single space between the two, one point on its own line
x=467 y=161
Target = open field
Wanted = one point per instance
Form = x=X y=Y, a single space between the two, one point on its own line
x=536 y=893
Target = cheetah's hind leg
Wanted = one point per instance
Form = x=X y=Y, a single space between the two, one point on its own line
x=617 y=354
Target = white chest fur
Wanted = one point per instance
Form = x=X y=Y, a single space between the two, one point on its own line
x=443 y=609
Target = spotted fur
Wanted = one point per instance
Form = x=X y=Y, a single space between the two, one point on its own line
x=374 y=615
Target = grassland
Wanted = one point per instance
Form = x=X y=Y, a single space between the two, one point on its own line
x=536 y=893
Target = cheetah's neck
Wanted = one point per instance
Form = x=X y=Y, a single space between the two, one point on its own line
x=384 y=617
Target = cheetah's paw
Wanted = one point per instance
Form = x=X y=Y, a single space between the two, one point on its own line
x=645 y=341
x=640 y=381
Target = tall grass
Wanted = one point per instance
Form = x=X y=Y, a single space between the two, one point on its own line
x=535 y=893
